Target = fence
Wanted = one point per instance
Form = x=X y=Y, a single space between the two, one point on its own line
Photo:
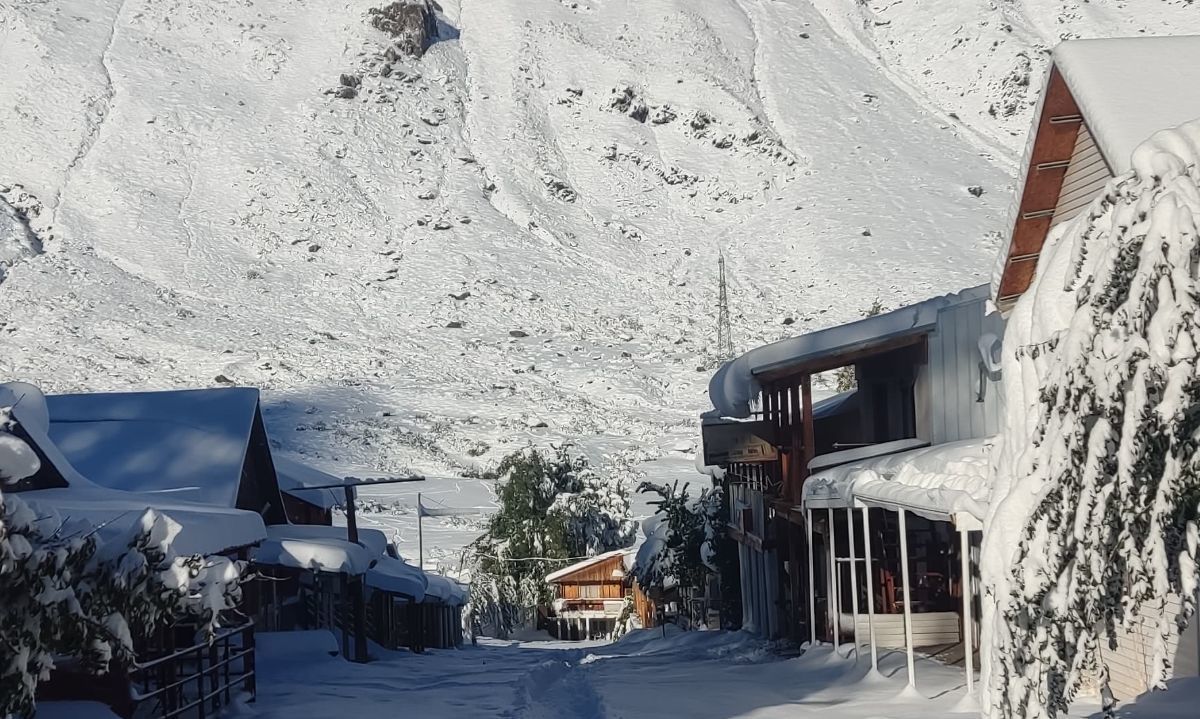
x=196 y=681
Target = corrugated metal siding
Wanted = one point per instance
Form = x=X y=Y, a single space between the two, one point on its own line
x=951 y=381
x=1130 y=665
x=1086 y=176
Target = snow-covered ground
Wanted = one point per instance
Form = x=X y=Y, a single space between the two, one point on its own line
x=703 y=675
x=493 y=246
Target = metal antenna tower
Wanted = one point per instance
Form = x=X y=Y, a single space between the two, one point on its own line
x=724 y=335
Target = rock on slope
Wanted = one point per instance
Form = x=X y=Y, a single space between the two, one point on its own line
x=519 y=228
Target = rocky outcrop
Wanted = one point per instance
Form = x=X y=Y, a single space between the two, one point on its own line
x=412 y=24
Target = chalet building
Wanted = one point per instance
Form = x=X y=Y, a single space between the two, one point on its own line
x=859 y=516
x=170 y=665
x=817 y=563
x=590 y=596
x=1101 y=99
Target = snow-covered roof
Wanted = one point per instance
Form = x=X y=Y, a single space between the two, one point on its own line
x=373 y=540
x=858 y=454
x=190 y=443
x=308 y=547
x=1129 y=88
x=394 y=575
x=444 y=590
x=937 y=482
x=295 y=476
x=204 y=529
x=735 y=384
x=591 y=561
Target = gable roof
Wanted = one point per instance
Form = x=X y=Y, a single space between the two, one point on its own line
x=736 y=383
x=191 y=444
x=1116 y=91
x=565 y=572
x=1129 y=88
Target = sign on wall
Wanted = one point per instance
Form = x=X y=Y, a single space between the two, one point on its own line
x=726 y=442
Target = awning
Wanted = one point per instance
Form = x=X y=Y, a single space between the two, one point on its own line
x=943 y=482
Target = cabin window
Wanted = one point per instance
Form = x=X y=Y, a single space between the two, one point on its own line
x=589 y=591
x=47 y=476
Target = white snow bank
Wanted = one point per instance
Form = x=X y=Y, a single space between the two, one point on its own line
x=295 y=478
x=204 y=529
x=300 y=547
x=935 y=482
x=271 y=647
x=74 y=710
x=373 y=540
x=393 y=575
x=1129 y=88
x=191 y=443
x=445 y=590
x=734 y=385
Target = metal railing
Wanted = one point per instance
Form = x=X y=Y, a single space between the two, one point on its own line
x=197 y=681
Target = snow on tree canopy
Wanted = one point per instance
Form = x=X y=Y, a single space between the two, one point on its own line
x=1097 y=469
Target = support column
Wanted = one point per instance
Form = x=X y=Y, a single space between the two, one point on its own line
x=968 y=625
x=809 y=435
x=834 y=600
x=908 y=638
x=870 y=572
x=853 y=578
x=812 y=585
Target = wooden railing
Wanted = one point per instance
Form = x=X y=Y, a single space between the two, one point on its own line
x=197 y=681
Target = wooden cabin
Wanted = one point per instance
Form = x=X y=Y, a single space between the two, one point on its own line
x=590 y=597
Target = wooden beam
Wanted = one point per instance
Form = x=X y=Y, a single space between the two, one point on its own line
x=809 y=435
x=840 y=358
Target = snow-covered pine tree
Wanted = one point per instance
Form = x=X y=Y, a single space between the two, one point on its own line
x=1112 y=466
x=553 y=510
x=68 y=589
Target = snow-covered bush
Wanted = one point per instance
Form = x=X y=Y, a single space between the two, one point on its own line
x=553 y=511
x=72 y=590
x=686 y=543
x=1098 y=471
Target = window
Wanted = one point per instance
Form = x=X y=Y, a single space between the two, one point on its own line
x=589 y=591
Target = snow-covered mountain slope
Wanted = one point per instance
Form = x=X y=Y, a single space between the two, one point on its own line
x=520 y=228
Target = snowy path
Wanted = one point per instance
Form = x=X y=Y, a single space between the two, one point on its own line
x=700 y=675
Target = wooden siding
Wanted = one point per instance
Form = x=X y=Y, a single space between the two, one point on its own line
x=600 y=572
x=929 y=629
x=1129 y=666
x=1086 y=176
x=947 y=392
x=611 y=589
x=1053 y=143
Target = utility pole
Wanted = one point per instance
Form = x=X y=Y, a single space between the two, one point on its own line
x=724 y=333
x=420 y=534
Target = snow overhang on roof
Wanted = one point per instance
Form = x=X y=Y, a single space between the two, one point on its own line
x=942 y=482
x=1129 y=88
x=191 y=443
x=320 y=548
x=397 y=577
x=294 y=477
x=591 y=561
x=737 y=382
x=444 y=590
x=204 y=529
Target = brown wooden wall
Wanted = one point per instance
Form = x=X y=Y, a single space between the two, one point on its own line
x=600 y=574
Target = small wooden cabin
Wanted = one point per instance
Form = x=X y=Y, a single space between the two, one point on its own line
x=591 y=596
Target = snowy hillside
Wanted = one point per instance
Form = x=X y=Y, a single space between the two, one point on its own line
x=513 y=238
